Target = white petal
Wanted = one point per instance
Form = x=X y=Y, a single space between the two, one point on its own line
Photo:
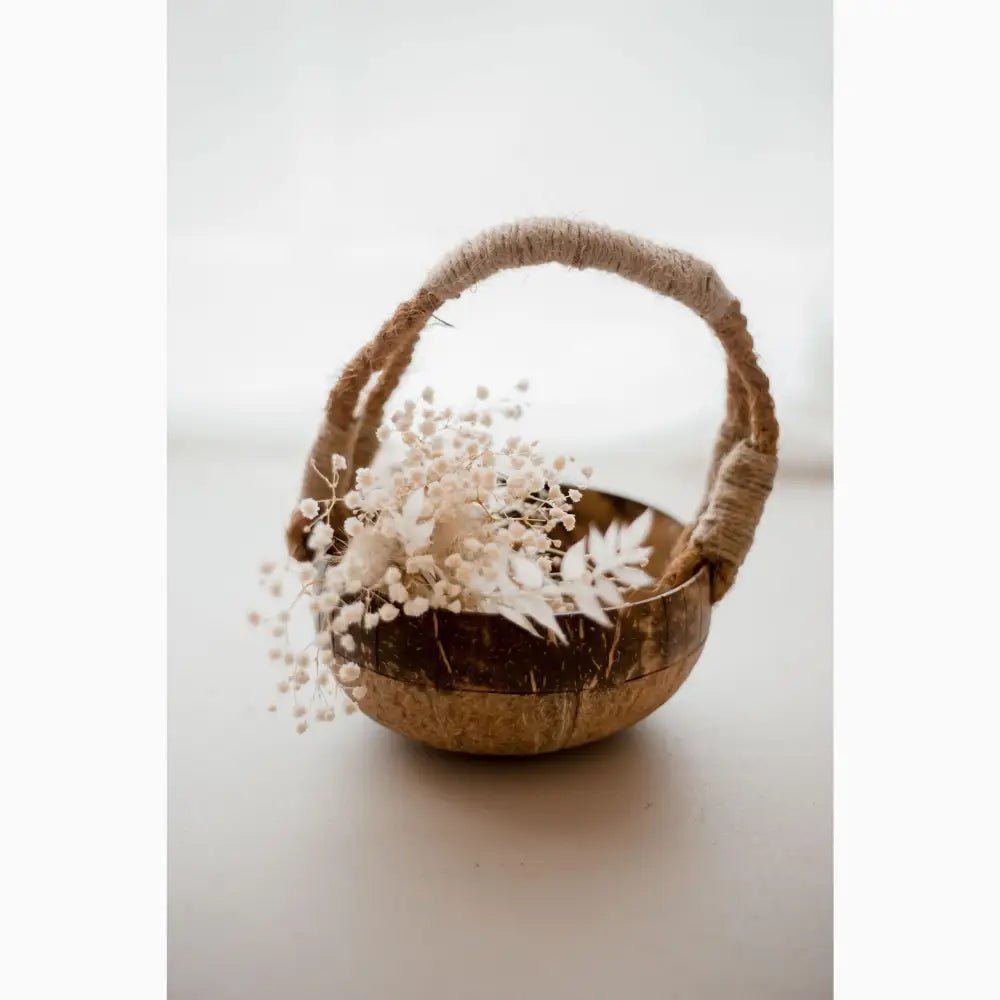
x=516 y=617
x=539 y=609
x=633 y=577
x=527 y=572
x=411 y=508
x=573 y=563
x=638 y=531
x=608 y=592
x=588 y=604
x=612 y=537
x=596 y=547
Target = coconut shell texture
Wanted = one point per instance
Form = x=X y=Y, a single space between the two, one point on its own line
x=480 y=684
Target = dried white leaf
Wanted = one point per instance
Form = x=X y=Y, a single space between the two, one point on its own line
x=527 y=572
x=606 y=590
x=516 y=617
x=632 y=577
x=574 y=562
x=538 y=608
x=587 y=604
x=637 y=532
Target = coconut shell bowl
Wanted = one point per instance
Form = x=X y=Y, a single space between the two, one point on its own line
x=478 y=683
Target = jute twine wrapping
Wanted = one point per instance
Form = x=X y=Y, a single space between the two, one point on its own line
x=744 y=459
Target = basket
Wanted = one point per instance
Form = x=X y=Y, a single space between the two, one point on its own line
x=477 y=683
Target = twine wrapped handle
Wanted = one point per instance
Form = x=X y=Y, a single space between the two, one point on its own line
x=745 y=455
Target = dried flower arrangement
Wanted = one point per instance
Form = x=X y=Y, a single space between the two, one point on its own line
x=472 y=596
x=459 y=524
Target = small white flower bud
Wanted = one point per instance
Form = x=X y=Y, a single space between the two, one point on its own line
x=309 y=508
x=416 y=606
x=349 y=673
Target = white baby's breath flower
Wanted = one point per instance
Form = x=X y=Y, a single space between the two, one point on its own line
x=309 y=508
x=427 y=395
x=482 y=392
x=359 y=692
x=523 y=385
x=320 y=537
x=587 y=471
x=457 y=524
x=349 y=673
x=353 y=613
x=416 y=606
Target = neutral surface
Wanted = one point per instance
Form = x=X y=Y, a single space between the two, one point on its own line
x=689 y=857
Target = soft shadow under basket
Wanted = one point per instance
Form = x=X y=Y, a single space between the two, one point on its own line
x=479 y=683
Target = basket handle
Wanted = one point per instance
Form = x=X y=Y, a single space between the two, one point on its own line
x=744 y=460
